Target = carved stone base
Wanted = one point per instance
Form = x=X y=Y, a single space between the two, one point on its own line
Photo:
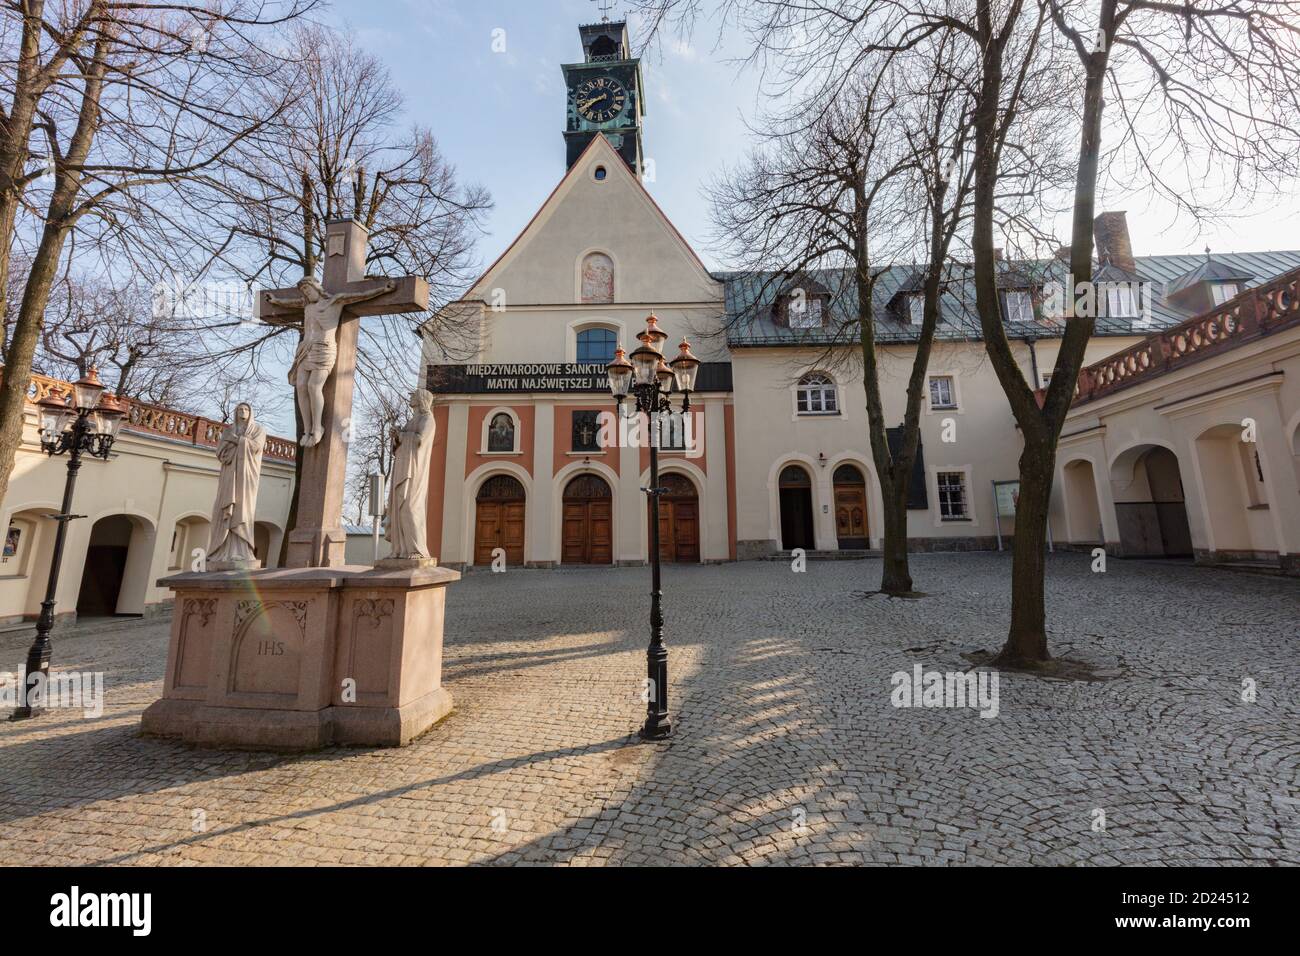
x=296 y=659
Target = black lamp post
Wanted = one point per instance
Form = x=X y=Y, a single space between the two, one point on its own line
x=84 y=422
x=650 y=380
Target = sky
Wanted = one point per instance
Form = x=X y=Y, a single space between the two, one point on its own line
x=498 y=116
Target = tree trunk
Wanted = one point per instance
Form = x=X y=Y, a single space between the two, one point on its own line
x=21 y=349
x=895 y=576
x=1027 y=638
x=60 y=217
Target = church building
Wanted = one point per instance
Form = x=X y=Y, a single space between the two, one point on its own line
x=774 y=453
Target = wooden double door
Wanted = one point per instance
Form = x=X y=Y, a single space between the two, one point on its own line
x=679 y=520
x=587 y=532
x=499 y=520
x=850 y=508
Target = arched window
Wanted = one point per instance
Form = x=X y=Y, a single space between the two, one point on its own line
x=501 y=433
x=596 y=345
x=816 y=395
x=597 y=278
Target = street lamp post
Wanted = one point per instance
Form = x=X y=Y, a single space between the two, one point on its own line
x=85 y=422
x=650 y=380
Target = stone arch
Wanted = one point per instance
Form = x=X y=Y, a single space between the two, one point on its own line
x=810 y=465
x=473 y=482
x=1082 y=496
x=699 y=481
x=115 y=572
x=267 y=538
x=561 y=481
x=1235 y=495
x=875 y=504
x=28 y=566
x=190 y=530
x=1147 y=486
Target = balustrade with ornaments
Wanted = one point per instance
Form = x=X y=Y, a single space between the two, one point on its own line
x=145 y=419
x=1252 y=315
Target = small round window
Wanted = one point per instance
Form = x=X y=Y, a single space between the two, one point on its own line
x=599 y=174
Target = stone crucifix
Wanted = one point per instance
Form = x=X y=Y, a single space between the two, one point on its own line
x=322 y=374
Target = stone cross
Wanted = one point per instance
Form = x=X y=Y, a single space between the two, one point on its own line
x=317 y=538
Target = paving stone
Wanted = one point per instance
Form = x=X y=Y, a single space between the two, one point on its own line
x=787 y=749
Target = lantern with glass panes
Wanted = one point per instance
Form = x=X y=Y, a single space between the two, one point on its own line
x=84 y=422
x=650 y=381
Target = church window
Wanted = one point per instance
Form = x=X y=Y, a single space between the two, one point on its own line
x=597 y=278
x=600 y=173
x=596 y=345
x=816 y=395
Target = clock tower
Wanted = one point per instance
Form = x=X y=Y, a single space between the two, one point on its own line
x=604 y=94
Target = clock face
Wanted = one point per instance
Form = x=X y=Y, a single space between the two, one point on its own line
x=601 y=99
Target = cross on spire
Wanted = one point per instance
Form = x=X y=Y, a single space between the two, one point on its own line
x=604 y=6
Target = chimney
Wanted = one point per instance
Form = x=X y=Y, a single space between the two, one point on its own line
x=1110 y=232
x=997 y=254
x=1063 y=253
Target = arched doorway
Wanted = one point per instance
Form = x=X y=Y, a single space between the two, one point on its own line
x=850 y=508
x=679 y=520
x=795 y=490
x=1082 y=514
x=587 y=535
x=1234 y=486
x=499 y=520
x=28 y=549
x=1149 y=505
x=266 y=543
x=115 y=575
x=188 y=535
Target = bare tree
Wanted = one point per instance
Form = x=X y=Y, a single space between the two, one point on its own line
x=1195 y=85
x=115 y=102
x=834 y=197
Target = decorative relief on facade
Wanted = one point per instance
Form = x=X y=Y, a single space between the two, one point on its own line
x=597 y=278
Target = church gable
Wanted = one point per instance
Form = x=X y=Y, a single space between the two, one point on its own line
x=598 y=238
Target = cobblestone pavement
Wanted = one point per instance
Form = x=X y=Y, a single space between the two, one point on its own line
x=787 y=747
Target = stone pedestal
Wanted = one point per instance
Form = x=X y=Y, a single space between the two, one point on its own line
x=295 y=659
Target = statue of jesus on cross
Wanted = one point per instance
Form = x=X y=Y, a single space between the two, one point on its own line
x=318 y=350
x=324 y=366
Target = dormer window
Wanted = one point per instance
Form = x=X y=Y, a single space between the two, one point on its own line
x=1223 y=291
x=1018 y=305
x=801 y=308
x=916 y=308
x=806 y=314
x=1120 y=301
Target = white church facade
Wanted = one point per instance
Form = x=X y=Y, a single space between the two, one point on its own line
x=778 y=453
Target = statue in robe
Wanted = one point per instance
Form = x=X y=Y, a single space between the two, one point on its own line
x=408 y=484
x=230 y=543
x=318 y=349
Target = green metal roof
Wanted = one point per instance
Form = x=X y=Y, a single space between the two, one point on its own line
x=749 y=297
